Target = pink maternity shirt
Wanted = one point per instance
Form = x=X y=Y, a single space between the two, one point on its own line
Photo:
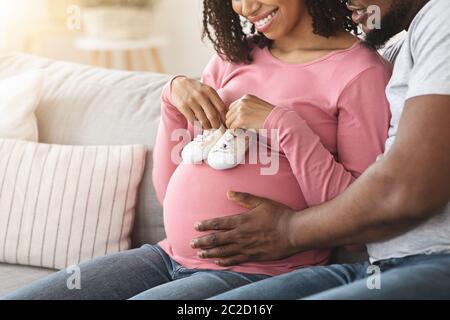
x=332 y=117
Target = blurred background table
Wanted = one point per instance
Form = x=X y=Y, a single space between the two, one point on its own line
x=130 y=52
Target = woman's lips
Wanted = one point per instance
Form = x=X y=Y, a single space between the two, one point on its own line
x=265 y=27
x=254 y=19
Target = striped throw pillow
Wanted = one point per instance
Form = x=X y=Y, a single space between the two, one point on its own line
x=60 y=205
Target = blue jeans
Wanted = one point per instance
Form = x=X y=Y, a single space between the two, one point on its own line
x=147 y=273
x=414 y=277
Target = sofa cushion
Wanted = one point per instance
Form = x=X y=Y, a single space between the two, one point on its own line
x=60 y=205
x=13 y=277
x=20 y=96
x=83 y=105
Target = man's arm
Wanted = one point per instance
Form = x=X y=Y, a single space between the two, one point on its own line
x=394 y=195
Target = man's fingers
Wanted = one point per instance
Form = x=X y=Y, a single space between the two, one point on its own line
x=213 y=240
x=232 y=261
x=219 y=252
x=245 y=200
x=224 y=223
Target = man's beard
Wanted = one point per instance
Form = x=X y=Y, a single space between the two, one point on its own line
x=391 y=24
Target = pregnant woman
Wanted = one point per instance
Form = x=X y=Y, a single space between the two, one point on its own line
x=297 y=70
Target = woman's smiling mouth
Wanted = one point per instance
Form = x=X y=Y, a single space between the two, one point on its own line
x=264 y=22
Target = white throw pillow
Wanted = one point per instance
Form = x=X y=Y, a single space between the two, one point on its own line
x=19 y=98
x=60 y=205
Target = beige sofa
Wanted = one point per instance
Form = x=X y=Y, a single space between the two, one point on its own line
x=83 y=105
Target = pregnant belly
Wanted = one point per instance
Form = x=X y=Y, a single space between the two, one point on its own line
x=198 y=192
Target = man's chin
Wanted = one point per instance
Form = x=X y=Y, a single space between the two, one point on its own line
x=377 y=38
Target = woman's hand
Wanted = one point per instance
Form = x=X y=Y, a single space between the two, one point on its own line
x=198 y=102
x=249 y=112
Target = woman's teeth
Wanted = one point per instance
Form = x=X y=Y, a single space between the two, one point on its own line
x=266 y=20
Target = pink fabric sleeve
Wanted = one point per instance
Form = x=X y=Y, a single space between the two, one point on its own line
x=214 y=72
x=171 y=120
x=362 y=130
x=163 y=164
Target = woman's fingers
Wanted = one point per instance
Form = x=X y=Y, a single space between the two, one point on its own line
x=218 y=104
x=200 y=114
x=197 y=101
x=188 y=114
x=232 y=121
x=210 y=111
x=232 y=116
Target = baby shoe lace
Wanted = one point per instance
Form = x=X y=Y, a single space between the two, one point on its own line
x=228 y=144
x=202 y=137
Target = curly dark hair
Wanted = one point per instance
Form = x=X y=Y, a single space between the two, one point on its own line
x=224 y=27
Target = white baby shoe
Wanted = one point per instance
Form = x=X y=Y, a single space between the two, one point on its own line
x=230 y=150
x=197 y=150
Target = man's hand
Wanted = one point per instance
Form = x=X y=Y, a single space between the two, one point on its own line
x=261 y=234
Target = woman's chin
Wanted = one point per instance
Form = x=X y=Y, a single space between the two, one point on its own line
x=271 y=35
